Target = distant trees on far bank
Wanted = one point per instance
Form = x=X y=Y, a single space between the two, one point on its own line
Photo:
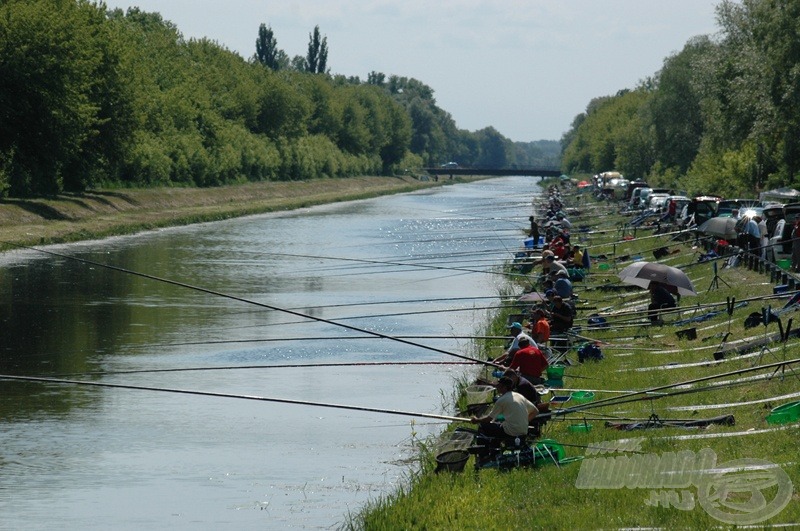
x=721 y=116
x=91 y=97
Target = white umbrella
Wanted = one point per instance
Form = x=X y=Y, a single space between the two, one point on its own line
x=643 y=273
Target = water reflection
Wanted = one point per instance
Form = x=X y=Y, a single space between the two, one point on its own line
x=191 y=461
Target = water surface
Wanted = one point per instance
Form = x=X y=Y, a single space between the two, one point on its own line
x=82 y=457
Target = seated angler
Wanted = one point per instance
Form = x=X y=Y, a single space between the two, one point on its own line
x=563 y=285
x=561 y=316
x=529 y=361
x=517 y=413
x=540 y=329
x=553 y=266
x=523 y=386
x=516 y=334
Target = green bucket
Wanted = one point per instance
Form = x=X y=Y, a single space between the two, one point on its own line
x=555 y=372
x=603 y=267
x=785 y=413
x=784 y=264
x=582 y=396
x=580 y=428
x=549 y=450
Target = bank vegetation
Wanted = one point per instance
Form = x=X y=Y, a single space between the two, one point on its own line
x=96 y=98
x=721 y=116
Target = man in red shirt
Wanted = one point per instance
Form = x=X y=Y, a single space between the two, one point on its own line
x=529 y=361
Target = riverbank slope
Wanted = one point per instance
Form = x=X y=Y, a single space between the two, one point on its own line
x=102 y=213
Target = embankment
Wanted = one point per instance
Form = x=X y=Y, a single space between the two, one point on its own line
x=103 y=213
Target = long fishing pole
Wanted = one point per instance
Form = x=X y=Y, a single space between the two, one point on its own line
x=230 y=395
x=248 y=301
x=304 y=339
x=421 y=266
x=282 y=366
x=638 y=395
x=386 y=303
x=396 y=314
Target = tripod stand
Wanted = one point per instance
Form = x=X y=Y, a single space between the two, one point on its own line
x=716 y=279
x=766 y=317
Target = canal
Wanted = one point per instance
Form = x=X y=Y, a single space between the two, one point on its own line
x=85 y=457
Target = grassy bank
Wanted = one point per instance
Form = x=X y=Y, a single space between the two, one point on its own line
x=103 y=213
x=606 y=490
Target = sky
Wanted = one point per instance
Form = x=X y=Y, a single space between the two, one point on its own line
x=525 y=67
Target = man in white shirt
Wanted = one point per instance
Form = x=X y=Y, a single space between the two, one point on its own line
x=517 y=413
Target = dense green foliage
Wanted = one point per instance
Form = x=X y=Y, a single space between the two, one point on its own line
x=94 y=97
x=722 y=115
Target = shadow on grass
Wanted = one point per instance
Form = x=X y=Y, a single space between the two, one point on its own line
x=119 y=195
x=39 y=209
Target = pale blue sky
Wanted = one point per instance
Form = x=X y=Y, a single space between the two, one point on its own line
x=526 y=67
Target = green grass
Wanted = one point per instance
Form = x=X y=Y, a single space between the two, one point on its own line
x=638 y=356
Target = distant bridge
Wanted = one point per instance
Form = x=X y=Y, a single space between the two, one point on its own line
x=532 y=172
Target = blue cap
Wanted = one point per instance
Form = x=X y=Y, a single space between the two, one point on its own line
x=514 y=325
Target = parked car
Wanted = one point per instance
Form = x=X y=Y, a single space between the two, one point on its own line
x=656 y=201
x=632 y=187
x=450 y=165
x=772 y=214
x=727 y=206
x=637 y=197
x=780 y=241
x=680 y=202
x=699 y=210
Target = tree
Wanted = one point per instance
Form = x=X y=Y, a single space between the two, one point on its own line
x=376 y=78
x=53 y=66
x=317 y=56
x=674 y=110
x=267 y=52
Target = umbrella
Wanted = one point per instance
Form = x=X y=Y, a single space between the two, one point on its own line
x=642 y=273
x=721 y=227
x=533 y=296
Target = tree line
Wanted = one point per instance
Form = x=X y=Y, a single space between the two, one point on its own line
x=721 y=116
x=92 y=97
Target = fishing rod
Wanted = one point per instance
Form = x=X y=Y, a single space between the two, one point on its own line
x=248 y=301
x=62 y=381
x=489 y=269
x=638 y=395
x=767 y=400
x=630 y=319
x=386 y=303
x=304 y=338
x=637 y=239
x=362 y=260
x=709 y=305
x=468 y=261
x=396 y=314
x=282 y=366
